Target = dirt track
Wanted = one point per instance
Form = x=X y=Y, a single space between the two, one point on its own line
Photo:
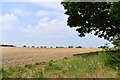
x=12 y=56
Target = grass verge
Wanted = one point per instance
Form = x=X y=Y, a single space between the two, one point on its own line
x=91 y=65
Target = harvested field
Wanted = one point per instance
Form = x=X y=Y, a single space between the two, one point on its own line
x=16 y=56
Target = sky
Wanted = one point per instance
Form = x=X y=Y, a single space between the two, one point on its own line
x=40 y=24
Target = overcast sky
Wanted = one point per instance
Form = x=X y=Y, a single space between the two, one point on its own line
x=40 y=23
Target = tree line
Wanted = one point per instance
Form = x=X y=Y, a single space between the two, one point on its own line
x=5 y=45
x=52 y=46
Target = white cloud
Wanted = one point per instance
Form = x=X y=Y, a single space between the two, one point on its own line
x=45 y=13
x=8 y=21
x=42 y=13
x=20 y=12
x=51 y=21
x=47 y=27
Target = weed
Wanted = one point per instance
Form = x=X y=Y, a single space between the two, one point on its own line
x=52 y=66
x=38 y=74
x=65 y=58
x=40 y=63
x=6 y=73
x=29 y=66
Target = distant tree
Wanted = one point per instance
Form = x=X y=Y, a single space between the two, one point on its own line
x=57 y=47
x=70 y=46
x=41 y=46
x=37 y=46
x=33 y=46
x=61 y=47
x=105 y=46
x=24 y=46
x=7 y=45
x=45 y=47
x=79 y=47
x=102 y=47
x=51 y=47
x=11 y=45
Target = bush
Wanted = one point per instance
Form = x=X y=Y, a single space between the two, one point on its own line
x=116 y=43
x=116 y=40
x=113 y=59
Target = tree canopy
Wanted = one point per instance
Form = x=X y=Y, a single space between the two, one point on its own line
x=100 y=18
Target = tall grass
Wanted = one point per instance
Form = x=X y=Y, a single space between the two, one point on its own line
x=91 y=65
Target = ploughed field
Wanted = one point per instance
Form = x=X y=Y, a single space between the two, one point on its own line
x=18 y=56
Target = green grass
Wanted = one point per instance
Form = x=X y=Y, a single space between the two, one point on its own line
x=0 y=73
x=90 y=65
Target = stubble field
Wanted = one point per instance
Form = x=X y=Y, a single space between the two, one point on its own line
x=18 y=56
